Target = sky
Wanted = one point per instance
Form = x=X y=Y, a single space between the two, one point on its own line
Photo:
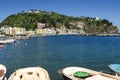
x=104 y=9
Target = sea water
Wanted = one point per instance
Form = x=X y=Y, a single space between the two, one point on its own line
x=57 y=52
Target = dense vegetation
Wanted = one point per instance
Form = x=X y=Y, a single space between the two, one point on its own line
x=29 y=21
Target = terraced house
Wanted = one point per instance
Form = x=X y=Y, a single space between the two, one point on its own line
x=11 y=31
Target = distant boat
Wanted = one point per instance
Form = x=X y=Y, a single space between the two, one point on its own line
x=30 y=73
x=2 y=71
x=7 y=41
x=79 y=73
x=1 y=46
x=115 y=68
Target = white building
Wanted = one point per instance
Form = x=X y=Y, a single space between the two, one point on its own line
x=40 y=25
x=97 y=18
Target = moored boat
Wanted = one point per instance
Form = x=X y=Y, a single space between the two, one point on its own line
x=30 y=73
x=2 y=71
x=1 y=46
x=7 y=41
x=79 y=73
x=115 y=68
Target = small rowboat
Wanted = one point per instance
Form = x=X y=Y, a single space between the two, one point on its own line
x=115 y=68
x=79 y=73
x=30 y=73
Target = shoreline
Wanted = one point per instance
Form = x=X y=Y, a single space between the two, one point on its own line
x=99 y=35
x=76 y=34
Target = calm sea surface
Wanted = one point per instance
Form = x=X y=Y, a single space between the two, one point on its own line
x=57 y=52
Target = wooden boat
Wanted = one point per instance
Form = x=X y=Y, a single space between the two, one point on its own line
x=2 y=71
x=115 y=68
x=79 y=73
x=30 y=73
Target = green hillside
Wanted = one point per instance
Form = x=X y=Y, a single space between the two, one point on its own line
x=29 y=21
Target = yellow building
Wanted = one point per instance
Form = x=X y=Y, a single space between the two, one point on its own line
x=39 y=31
x=19 y=31
x=13 y=31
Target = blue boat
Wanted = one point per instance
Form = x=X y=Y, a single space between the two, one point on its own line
x=115 y=68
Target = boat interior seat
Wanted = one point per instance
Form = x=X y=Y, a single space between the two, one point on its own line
x=29 y=76
x=1 y=73
x=98 y=77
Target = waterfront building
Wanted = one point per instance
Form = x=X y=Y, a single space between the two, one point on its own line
x=13 y=30
x=40 y=27
x=39 y=31
x=19 y=31
x=30 y=33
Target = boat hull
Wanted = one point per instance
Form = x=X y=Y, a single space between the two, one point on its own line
x=115 y=68
x=7 y=41
x=30 y=73
x=3 y=70
x=93 y=75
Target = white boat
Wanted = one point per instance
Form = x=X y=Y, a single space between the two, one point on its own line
x=2 y=71
x=7 y=41
x=79 y=73
x=30 y=73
